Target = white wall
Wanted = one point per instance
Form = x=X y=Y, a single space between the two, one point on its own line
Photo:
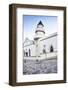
x=32 y=49
x=4 y=37
x=48 y=42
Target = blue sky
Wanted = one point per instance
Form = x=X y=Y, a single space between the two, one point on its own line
x=30 y=24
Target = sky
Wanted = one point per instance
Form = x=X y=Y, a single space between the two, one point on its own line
x=31 y=21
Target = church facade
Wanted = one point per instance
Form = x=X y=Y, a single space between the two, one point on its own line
x=41 y=47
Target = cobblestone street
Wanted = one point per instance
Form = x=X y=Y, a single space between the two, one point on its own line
x=39 y=66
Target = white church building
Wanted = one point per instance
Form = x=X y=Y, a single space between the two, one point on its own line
x=42 y=46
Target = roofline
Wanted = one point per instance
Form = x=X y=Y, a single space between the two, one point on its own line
x=51 y=35
x=27 y=45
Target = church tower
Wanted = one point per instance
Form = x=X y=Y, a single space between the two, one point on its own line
x=39 y=33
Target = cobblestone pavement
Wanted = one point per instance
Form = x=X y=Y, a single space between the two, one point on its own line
x=39 y=66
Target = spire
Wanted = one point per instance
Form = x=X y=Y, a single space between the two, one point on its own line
x=40 y=23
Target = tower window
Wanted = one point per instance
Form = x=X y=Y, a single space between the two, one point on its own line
x=51 y=49
x=44 y=51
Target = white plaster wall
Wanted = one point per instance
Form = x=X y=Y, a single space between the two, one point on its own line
x=32 y=48
x=48 y=42
x=40 y=34
x=37 y=51
x=43 y=56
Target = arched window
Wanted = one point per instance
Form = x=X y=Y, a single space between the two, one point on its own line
x=51 y=49
x=29 y=52
x=26 y=54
